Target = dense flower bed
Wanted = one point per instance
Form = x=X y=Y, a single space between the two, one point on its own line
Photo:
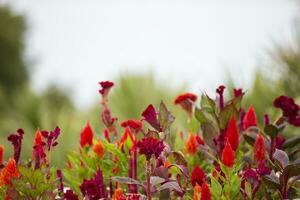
x=223 y=154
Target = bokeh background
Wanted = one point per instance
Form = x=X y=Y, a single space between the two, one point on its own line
x=53 y=53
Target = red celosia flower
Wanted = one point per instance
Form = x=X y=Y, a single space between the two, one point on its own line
x=232 y=134
x=191 y=144
x=9 y=172
x=199 y=139
x=250 y=118
x=197 y=192
x=106 y=86
x=1 y=154
x=197 y=176
x=150 y=146
x=135 y=125
x=289 y=109
x=150 y=115
x=237 y=92
x=99 y=149
x=228 y=155
x=259 y=149
x=205 y=194
x=186 y=101
x=86 y=135
x=70 y=195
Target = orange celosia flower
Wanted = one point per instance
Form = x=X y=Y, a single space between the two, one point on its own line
x=115 y=170
x=1 y=154
x=99 y=148
x=126 y=135
x=118 y=194
x=167 y=164
x=259 y=149
x=86 y=135
x=9 y=172
x=228 y=155
x=191 y=144
x=38 y=137
x=197 y=192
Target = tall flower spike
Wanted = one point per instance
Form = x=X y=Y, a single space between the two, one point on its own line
x=232 y=134
x=1 y=154
x=228 y=155
x=220 y=91
x=197 y=176
x=9 y=172
x=250 y=118
x=191 y=144
x=259 y=149
x=99 y=149
x=186 y=101
x=16 y=140
x=197 y=192
x=86 y=135
x=205 y=194
x=127 y=139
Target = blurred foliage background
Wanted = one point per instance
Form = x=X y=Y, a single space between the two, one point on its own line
x=21 y=107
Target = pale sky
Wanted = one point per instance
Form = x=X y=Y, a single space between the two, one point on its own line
x=77 y=43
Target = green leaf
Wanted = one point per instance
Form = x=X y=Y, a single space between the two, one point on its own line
x=216 y=188
x=271 y=130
